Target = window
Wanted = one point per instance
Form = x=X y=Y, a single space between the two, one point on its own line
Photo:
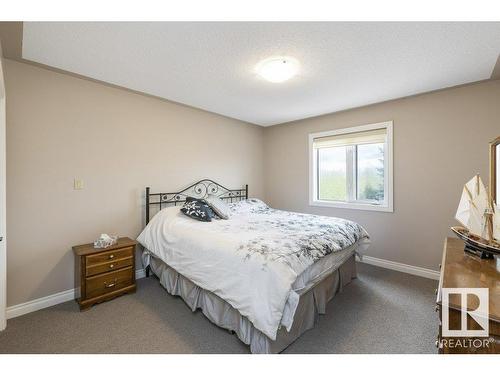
x=352 y=168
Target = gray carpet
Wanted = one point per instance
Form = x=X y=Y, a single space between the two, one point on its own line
x=382 y=311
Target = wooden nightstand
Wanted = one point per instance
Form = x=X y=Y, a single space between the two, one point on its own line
x=103 y=274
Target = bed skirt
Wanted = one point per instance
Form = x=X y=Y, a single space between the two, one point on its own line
x=312 y=303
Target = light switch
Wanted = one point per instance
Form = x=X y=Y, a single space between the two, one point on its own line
x=78 y=184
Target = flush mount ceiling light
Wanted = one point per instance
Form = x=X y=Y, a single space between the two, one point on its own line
x=277 y=69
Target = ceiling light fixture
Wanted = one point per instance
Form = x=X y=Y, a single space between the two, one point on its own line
x=277 y=69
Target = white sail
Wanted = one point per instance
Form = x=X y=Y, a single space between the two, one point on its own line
x=473 y=203
x=496 y=223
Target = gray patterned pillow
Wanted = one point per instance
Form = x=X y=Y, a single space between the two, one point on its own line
x=218 y=206
x=197 y=209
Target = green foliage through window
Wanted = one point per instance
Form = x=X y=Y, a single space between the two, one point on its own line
x=367 y=164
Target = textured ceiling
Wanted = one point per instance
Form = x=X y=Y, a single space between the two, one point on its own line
x=211 y=65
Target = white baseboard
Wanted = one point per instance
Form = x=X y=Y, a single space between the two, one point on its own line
x=54 y=299
x=40 y=303
x=401 y=267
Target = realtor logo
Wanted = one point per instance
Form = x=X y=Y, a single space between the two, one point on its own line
x=479 y=315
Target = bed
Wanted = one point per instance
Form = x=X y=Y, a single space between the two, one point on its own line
x=263 y=274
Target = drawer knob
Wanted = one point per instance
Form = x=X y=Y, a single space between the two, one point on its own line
x=111 y=265
x=111 y=256
x=109 y=285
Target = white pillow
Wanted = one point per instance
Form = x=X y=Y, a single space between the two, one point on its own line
x=218 y=206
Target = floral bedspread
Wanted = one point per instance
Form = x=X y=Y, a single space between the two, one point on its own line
x=295 y=239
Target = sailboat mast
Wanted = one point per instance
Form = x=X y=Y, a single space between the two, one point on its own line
x=488 y=215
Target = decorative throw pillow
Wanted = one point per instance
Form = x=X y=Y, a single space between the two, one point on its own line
x=218 y=205
x=197 y=209
x=213 y=215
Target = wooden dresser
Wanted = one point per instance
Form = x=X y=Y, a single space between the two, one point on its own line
x=103 y=274
x=460 y=270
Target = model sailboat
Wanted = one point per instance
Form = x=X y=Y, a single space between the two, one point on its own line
x=480 y=219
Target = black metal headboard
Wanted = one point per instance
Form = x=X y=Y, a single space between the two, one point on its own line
x=199 y=189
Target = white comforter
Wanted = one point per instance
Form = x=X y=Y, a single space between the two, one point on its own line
x=252 y=259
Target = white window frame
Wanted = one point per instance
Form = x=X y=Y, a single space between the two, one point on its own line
x=387 y=206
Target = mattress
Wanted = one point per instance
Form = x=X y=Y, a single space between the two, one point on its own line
x=317 y=271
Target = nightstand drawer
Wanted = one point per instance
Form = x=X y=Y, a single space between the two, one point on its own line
x=109 y=282
x=106 y=256
x=111 y=265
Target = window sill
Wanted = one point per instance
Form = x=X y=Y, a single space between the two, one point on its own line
x=353 y=206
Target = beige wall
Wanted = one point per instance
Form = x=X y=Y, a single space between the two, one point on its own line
x=60 y=127
x=440 y=141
